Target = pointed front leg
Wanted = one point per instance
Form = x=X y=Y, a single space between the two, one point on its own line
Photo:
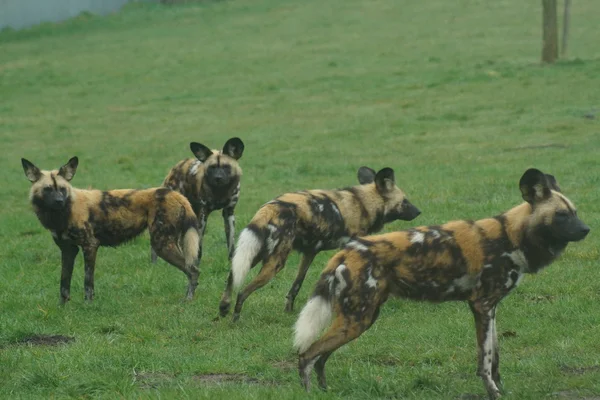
x=89 y=254
x=68 y=254
x=496 y=360
x=202 y=216
x=485 y=326
x=229 y=222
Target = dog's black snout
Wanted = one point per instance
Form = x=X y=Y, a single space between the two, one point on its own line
x=412 y=212
x=585 y=230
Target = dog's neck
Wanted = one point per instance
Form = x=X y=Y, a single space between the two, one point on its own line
x=374 y=208
x=56 y=220
x=537 y=245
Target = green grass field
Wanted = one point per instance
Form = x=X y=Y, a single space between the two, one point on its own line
x=449 y=94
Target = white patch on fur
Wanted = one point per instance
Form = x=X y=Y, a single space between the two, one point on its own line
x=371 y=282
x=248 y=247
x=357 y=246
x=272 y=243
x=340 y=279
x=231 y=223
x=462 y=284
x=321 y=207
x=54 y=234
x=518 y=257
x=417 y=237
x=488 y=352
x=436 y=234
x=313 y=318
x=336 y=209
x=194 y=167
x=510 y=283
x=343 y=241
x=319 y=245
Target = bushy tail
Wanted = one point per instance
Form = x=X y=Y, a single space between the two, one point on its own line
x=313 y=318
x=317 y=313
x=191 y=243
x=248 y=247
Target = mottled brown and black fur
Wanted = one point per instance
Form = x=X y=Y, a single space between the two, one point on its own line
x=210 y=182
x=93 y=218
x=310 y=222
x=475 y=261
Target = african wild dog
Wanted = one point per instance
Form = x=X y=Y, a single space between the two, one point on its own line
x=210 y=182
x=310 y=222
x=476 y=261
x=93 y=218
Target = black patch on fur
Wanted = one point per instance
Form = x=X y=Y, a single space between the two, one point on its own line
x=53 y=219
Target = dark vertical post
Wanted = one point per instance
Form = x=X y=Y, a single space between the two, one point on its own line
x=550 y=31
x=565 y=32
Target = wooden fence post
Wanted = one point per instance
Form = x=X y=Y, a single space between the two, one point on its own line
x=565 y=32
x=550 y=31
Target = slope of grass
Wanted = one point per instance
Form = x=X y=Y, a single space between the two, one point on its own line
x=449 y=94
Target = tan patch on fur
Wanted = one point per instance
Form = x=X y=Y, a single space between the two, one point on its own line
x=491 y=226
x=469 y=242
x=515 y=220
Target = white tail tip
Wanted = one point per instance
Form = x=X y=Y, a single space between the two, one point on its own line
x=313 y=318
x=248 y=247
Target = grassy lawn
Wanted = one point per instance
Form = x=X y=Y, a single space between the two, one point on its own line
x=449 y=94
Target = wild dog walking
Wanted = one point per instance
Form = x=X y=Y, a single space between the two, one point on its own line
x=310 y=222
x=475 y=261
x=210 y=182
x=93 y=218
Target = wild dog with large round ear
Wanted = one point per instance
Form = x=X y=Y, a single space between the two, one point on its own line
x=88 y=219
x=475 y=261
x=210 y=182
x=309 y=222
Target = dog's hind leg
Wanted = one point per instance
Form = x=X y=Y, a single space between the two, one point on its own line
x=171 y=252
x=343 y=330
x=271 y=266
x=307 y=259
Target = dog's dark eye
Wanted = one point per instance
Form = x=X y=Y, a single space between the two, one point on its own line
x=63 y=190
x=47 y=188
x=561 y=214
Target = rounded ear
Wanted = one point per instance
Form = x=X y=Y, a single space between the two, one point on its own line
x=365 y=175
x=385 y=180
x=32 y=172
x=67 y=171
x=200 y=151
x=234 y=148
x=552 y=183
x=534 y=186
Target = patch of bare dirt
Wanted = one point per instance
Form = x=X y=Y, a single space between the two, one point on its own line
x=579 y=370
x=545 y=297
x=285 y=365
x=152 y=380
x=225 y=378
x=471 y=396
x=46 y=340
x=541 y=146
x=29 y=233
x=572 y=395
